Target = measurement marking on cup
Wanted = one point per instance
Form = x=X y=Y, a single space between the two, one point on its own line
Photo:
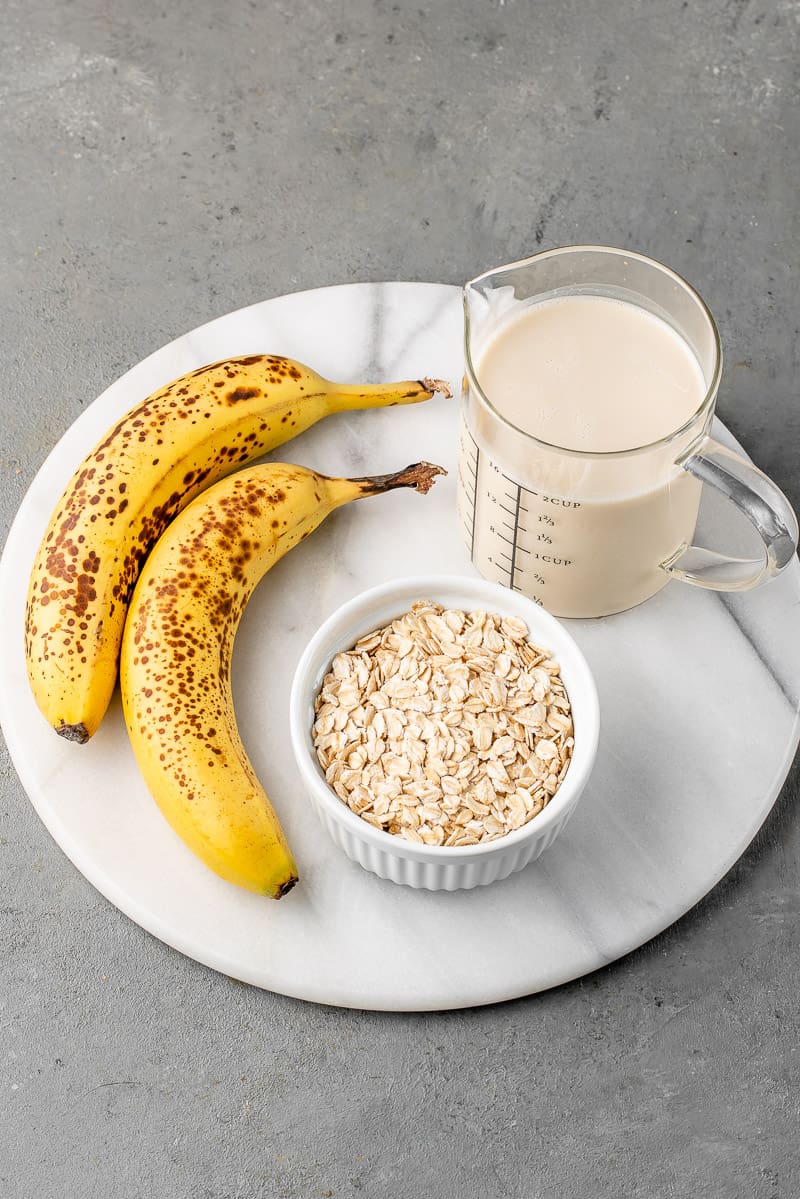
x=557 y=501
x=516 y=534
x=467 y=484
x=500 y=503
x=518 y=570
x=474 y=496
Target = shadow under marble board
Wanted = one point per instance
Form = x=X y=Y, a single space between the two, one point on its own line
x=699 y=700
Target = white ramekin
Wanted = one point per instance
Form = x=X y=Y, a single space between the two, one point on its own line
x=434 y=867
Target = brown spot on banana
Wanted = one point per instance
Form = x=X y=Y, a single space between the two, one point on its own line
x=243 y=393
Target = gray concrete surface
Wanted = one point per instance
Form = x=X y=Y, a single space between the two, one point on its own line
x=165 y=163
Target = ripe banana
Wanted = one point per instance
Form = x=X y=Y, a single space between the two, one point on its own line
x=176 y=658
x=124 y=494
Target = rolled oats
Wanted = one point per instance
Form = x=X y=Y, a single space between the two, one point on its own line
x=446 y=727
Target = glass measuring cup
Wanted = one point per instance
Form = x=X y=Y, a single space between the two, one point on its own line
x=586 y=533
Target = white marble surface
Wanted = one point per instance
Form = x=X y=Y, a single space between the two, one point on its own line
x=699 y=700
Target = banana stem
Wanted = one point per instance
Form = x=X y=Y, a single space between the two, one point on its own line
x=383 y=395
x=419 y=475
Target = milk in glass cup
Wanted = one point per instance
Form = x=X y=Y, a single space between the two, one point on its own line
x=591 y=378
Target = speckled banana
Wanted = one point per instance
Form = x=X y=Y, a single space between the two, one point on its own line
x=145 y=470
x=176 y=658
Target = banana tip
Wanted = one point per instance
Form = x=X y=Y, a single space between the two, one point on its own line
x=440 y=385
x=73 y=732
x=421 y=476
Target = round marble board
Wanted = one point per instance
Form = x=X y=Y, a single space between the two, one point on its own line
x=698 y=693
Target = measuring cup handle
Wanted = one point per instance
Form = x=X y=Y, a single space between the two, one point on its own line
x=765 y=506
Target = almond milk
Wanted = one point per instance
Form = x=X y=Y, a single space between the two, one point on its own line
x=594 y=374
x=567 y=518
